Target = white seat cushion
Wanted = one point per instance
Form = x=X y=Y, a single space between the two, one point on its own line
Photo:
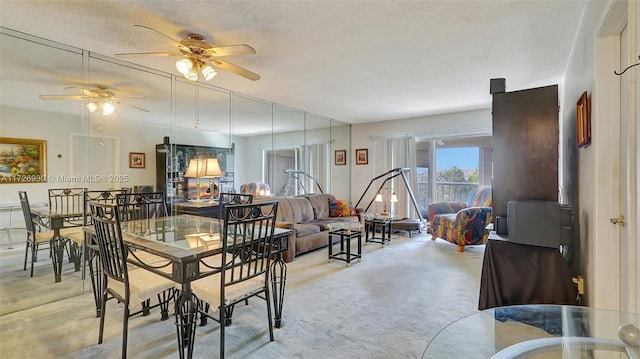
x=75 y=234
x=44 y=236
x=208 y=288
x=143 y=285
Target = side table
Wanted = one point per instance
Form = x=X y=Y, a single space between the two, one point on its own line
x=372 y=225
x=346 y=231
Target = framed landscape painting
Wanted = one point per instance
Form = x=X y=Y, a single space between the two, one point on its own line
x=23 y=160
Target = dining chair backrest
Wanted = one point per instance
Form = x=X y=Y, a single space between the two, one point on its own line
x=112 y=249
x=26 y=210
x=68 y=200
x=99 y=196
x=232 y=198
x=139 y=205
x=247 y=243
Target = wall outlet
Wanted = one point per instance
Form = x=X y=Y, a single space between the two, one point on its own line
x=579 y=282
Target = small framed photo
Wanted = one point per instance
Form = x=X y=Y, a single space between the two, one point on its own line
x=341 y=157
x=362 y=156
x=583 y=120
x=137 y=160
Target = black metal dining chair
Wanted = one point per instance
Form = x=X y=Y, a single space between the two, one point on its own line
x=227 y=198
x=68 y=200
x=141 y=205
x=243 y=266
x=131 y=287
x=90 y=247
x=37 y=239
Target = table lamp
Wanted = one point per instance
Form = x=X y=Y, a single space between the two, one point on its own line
x=211 y=170
x=379 y=198
x=195 y=170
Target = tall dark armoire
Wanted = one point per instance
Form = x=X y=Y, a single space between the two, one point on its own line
x=525 y=146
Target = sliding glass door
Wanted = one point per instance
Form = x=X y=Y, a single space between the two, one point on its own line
x=448 y=169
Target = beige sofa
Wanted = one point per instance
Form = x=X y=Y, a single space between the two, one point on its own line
x=308 y=216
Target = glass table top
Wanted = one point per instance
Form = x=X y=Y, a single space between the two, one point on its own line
x=187 y=232
x=539 y=331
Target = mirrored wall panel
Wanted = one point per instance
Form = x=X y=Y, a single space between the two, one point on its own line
x=74 y=120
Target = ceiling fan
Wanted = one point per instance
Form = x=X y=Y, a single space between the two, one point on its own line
x=100 y=98
x=199 y=56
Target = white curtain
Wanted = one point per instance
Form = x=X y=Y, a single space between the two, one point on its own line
x=317 y=163
x=392 y=153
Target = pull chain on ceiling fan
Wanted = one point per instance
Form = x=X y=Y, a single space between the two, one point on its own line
x=198 y=56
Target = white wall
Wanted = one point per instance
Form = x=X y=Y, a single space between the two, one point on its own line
x=361 y=137
x=591 y=173
x=339 y=136
x=576 y=177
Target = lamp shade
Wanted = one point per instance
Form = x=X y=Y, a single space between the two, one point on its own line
x=378 y=198
x=107 y=108
x=195 y=168
x=394 y=198
x=184 y=66
x=211 y=168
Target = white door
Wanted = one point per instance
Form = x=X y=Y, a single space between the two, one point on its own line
x=628 y=245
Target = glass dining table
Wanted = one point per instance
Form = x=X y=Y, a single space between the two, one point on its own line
x=55 y=221
x=182 y=242
x=539 y=331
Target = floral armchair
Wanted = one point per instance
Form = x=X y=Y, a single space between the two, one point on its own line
x=463 y=223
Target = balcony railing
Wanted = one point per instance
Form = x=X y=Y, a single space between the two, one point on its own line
x=445 y=191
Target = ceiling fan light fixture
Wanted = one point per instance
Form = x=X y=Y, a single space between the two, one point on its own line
x=192 y=75
x=92 y=107
x=184 y=66
x=208 y=72
x=108 y=108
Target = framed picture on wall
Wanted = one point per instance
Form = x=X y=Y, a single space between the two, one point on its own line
x=341 y=157
x=23 y=160
x=137 y=160
x=583 y=120
x=362 y=156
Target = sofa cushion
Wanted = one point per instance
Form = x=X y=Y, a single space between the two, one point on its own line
x=295 y=210
x=340 y=208
x=306 y=229
x=320 y=204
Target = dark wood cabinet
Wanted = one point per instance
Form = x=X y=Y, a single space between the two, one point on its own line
x=525 y=146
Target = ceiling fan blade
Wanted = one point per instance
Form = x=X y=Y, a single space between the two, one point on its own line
x=134 y=106
x=86 y=92
x=63 y=97
x=230 y=50
x=173 y=41
x=162 y=53
x=126 y=98
x=236 y=69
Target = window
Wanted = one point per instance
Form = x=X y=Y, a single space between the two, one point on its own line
x=448 y=169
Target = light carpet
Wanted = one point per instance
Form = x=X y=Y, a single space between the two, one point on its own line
x=390 y=305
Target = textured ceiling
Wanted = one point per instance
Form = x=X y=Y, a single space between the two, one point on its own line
x=354 y=61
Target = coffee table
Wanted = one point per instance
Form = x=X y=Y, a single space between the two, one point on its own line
x=539 y=331
x=346 y=231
